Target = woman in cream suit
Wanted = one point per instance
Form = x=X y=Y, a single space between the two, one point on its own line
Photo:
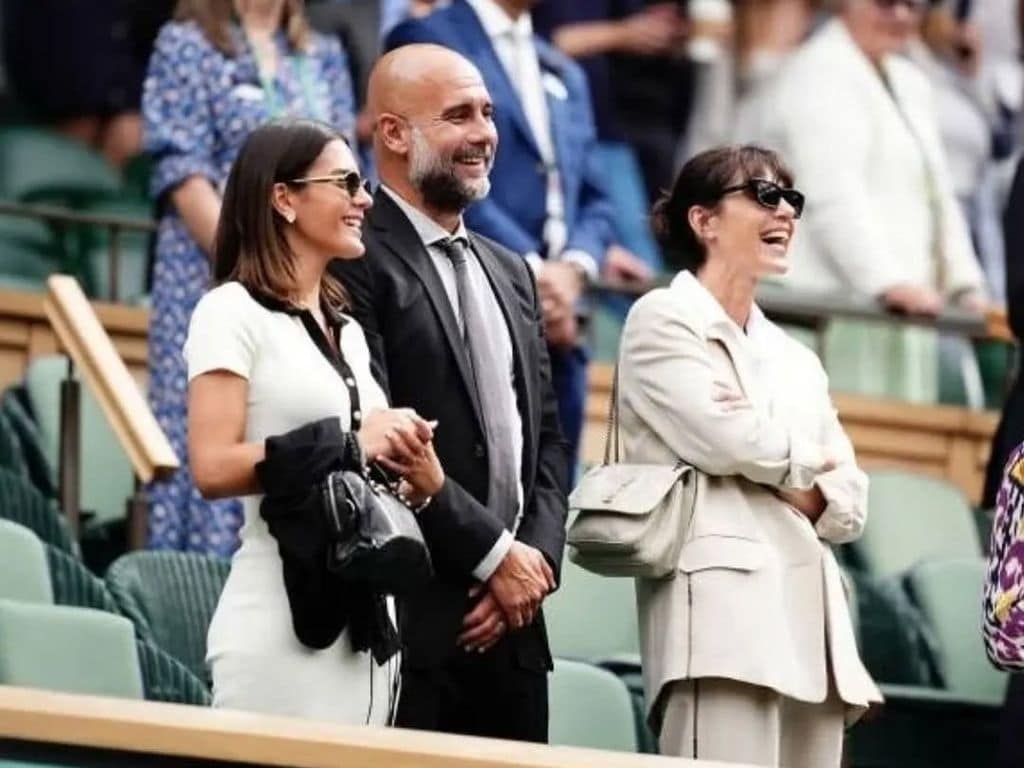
x=748 y=652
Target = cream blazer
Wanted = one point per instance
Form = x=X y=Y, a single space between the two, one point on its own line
x=758 y=595
x=868 y=224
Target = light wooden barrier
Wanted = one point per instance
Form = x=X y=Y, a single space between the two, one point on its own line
x=942 y=441
x=86 y=342
x=116 y=725
x=25 y=333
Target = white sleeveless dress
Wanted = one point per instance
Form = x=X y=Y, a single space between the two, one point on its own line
x=257 y=662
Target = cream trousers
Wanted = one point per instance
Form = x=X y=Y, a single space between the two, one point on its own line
x=731 y=722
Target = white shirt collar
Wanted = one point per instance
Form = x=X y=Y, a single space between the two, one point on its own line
x=429 y=231
x=694 y=290
x=496 y=22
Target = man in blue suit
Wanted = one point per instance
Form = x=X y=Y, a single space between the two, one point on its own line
x=547 y=199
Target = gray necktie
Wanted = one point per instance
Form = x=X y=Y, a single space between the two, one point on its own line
x=493 y=385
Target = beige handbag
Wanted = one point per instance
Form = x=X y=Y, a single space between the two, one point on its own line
x=631 y=519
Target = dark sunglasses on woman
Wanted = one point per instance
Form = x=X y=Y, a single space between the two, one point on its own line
x=769 y=194
x=350 y=182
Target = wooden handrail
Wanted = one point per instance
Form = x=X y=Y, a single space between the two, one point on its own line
x=51 y=718
x=815 y=309
x=88 y=345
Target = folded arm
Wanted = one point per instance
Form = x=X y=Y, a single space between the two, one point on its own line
x=844 y=486
x=667 y=378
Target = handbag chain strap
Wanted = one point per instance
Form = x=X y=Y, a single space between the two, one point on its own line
x=611 y=433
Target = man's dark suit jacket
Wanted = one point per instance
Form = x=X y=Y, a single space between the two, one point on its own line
x=421 y=362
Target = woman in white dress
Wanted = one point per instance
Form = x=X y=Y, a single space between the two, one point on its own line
x=264 y=351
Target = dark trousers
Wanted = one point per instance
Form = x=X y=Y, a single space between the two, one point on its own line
x=569 y=380
x=1011 y=725
x=477 y=694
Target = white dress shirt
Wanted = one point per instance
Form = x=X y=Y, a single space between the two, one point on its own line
x=513 y=44
x=431 y=234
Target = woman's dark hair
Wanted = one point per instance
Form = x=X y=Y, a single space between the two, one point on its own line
x=701 y=182
x=250 y=246
x=214 y=18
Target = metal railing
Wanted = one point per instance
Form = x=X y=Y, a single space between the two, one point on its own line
x=814 y=310
x=805 y=309
x=91 y=352
x=61 y=218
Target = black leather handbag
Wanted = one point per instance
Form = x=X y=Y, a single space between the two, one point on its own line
x=375 y=536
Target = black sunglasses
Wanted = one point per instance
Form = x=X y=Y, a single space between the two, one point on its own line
x=350 y=182
x=769 y=194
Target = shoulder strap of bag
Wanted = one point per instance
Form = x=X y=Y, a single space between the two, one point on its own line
x=611 y=433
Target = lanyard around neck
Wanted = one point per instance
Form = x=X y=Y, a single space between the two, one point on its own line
x=275 y=106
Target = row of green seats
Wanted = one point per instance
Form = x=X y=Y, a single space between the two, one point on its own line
x=29 y=444
x=38 y=166
x=61 y=629
x=169 y=598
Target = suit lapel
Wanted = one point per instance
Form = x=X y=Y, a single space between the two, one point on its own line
x=505 y=294
x=396 y=233
x=481 y=51
x=559 y=114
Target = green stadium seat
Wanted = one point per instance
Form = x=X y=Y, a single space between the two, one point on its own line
x=107 y=478
x=25 y=505
x=852 y=360
x=76 y=650
x=11 y=455
x=170 y=597
x=133 y=263
x=996 y=363
x=592 y=618
x=164 y=677
x=29 y=253
x=589 y=707
x=14 y=409
x=896 y=643
x=37 y=165
x=167 y=679
x=24 y=574
x=960 y=380
x=137 y=174
x=74 y=584
x=948 y=593
x=910 y=518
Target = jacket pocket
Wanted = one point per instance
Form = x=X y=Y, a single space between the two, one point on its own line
x=730 y=552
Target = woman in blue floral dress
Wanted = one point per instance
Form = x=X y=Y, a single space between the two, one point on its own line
x=219 y=70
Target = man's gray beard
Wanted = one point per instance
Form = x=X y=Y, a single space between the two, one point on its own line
x=437 y=181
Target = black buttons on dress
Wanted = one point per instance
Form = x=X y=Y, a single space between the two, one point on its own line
x=478 y=450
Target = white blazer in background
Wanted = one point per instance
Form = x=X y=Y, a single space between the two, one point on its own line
x=868 y=223
x=758 y=589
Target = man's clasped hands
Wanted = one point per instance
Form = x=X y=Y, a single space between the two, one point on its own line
x=401 y=440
